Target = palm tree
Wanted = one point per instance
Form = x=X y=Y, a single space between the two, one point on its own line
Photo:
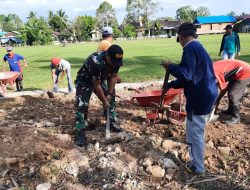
x=62 y=15
x=51 y=14
x=32 y=14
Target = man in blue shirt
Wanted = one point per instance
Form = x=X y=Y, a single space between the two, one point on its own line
x=230 y=44
x=15 y=65
x=195 y=74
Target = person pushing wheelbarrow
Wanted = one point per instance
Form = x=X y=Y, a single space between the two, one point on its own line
x=14 y=63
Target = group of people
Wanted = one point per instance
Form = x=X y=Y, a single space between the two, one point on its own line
x=196 y=74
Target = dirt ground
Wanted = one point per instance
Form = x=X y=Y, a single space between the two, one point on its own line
x=36 y=147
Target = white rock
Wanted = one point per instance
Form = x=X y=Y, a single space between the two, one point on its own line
x=97 y=146
x=49 y=124
x=224 y=150
x=72 y=169
x=44 y=186
x=102 y=163
x=168 y=144
x=147 y=162
x=118 y=150
x=210 y=144
x=109 y=149
x=156 y=171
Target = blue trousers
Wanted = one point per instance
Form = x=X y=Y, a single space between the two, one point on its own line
x=195 y=137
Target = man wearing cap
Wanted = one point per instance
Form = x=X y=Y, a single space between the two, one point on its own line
x=98 y=68
x=195 y=74
x=230 y=44
x=107 y=38
x=57 y=66
x=232 y=76
x=15 y=65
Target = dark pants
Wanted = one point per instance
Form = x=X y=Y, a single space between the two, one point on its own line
x=19 y=84
x=235 y=92
x=83 y=94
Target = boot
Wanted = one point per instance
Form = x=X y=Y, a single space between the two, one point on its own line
x=80 y=139
x=114 y=126
x=235 y=116
x=229 y=111
x=21 y=85
x=18 y=86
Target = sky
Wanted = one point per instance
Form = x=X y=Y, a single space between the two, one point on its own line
x=74 y=8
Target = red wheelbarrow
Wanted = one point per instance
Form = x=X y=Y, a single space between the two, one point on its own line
x=172 y=108
x=7 y=78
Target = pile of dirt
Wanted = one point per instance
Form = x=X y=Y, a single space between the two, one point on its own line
x=37 y=149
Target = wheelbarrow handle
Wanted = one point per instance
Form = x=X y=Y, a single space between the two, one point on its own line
x=133 y=89
x=164 y=87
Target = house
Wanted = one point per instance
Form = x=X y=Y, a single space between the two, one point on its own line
x=10 y=38
x=242 y=24
x=212 y=24
x=166 y=28
x=11 y=34
x=96 y=34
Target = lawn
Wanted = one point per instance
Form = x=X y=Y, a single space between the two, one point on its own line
x=141 y=58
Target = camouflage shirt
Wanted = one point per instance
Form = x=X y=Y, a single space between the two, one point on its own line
x=95 y=68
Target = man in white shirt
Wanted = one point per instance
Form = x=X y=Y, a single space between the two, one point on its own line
x=58 y=66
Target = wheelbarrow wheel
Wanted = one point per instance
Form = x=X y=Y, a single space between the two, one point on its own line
x=176 y=115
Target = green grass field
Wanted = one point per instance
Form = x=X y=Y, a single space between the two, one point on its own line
x=141 y=58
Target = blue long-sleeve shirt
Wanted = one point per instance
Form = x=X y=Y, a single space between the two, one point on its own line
x=195 y=74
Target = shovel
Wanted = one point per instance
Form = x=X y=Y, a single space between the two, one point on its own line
x=108 y=125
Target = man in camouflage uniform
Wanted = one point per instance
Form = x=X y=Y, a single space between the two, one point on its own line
x=100 y=67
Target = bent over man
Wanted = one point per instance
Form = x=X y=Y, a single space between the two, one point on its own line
x=233 y=76
x=100 y=67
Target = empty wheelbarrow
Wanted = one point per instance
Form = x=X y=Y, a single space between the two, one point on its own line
x=172 y=109
x=7 y=78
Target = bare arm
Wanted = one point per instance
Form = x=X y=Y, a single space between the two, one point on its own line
x=53 y=75
x=112 y=83
x=222 y=93
x=25 y=63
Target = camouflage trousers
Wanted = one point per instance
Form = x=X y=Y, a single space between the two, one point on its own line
x=83 y=94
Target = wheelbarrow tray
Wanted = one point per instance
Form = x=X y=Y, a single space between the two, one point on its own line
x=147 y=99
x=8 y=77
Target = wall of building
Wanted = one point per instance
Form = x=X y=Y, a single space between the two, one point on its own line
x=211 y=28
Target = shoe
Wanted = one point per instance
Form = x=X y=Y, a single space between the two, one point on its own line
x=227 y=112
x=233 y=120
x=80 y=139
x=191 y=169
x=115 y=128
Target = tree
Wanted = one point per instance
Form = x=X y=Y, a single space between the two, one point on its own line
x=59 y=21
x=10 y=22
x=83 y=27
x=36 y=32
x=188 y=14
x=139 y=11
x=202 y=11
x=129 y=31
x=185 y=13
x=62 y=15
x=232 y=13
x=32 y=14
x=105 y=15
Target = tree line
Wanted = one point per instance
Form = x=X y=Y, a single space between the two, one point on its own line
x=39 y=30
